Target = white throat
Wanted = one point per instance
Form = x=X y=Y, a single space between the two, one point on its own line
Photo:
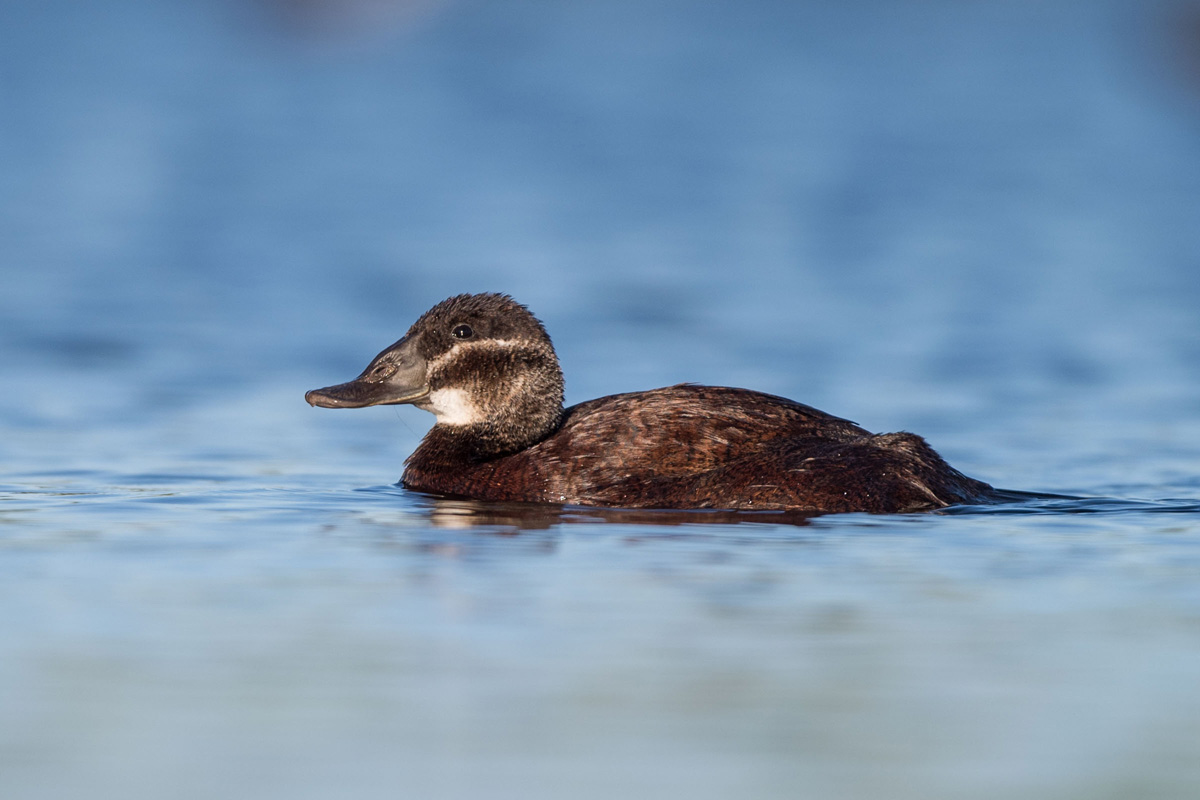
x=452 y=407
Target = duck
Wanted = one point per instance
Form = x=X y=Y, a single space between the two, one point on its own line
x=485 y=367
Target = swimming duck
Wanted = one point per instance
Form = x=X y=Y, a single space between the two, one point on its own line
x=485 y=367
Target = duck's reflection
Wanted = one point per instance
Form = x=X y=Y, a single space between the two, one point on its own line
x=449 y=513
x=461 y=528
x=446 y=513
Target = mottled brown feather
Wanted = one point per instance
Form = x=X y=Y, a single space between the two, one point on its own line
x=702 y=447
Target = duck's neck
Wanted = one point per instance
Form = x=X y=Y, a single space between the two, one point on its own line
x=445 y=444
x=484 y=441
x=504 y=433
x=517 y=423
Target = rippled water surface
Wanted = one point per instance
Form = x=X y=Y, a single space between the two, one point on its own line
x=977 y=221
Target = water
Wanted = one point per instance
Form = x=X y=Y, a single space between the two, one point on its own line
x=975 y=221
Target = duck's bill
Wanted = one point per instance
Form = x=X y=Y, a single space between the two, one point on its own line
x=397 y=375
x=358 y=394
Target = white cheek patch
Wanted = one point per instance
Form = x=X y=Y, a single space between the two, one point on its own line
x=452 y=407
x=456 y=406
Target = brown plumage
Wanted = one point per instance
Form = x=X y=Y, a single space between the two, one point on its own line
x=485 y=366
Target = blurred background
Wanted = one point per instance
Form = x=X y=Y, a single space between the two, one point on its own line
x=976 y=220
x=934 y=215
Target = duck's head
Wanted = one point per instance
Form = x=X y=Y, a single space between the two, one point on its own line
x=481 y=363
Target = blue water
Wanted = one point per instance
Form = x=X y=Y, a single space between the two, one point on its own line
x=977 y=221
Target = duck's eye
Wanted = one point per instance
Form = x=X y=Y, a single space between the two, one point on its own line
x=462 y=332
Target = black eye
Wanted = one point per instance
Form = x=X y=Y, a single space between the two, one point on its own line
x=462 y=332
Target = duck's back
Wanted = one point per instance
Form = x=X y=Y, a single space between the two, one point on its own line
x=703 y=447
